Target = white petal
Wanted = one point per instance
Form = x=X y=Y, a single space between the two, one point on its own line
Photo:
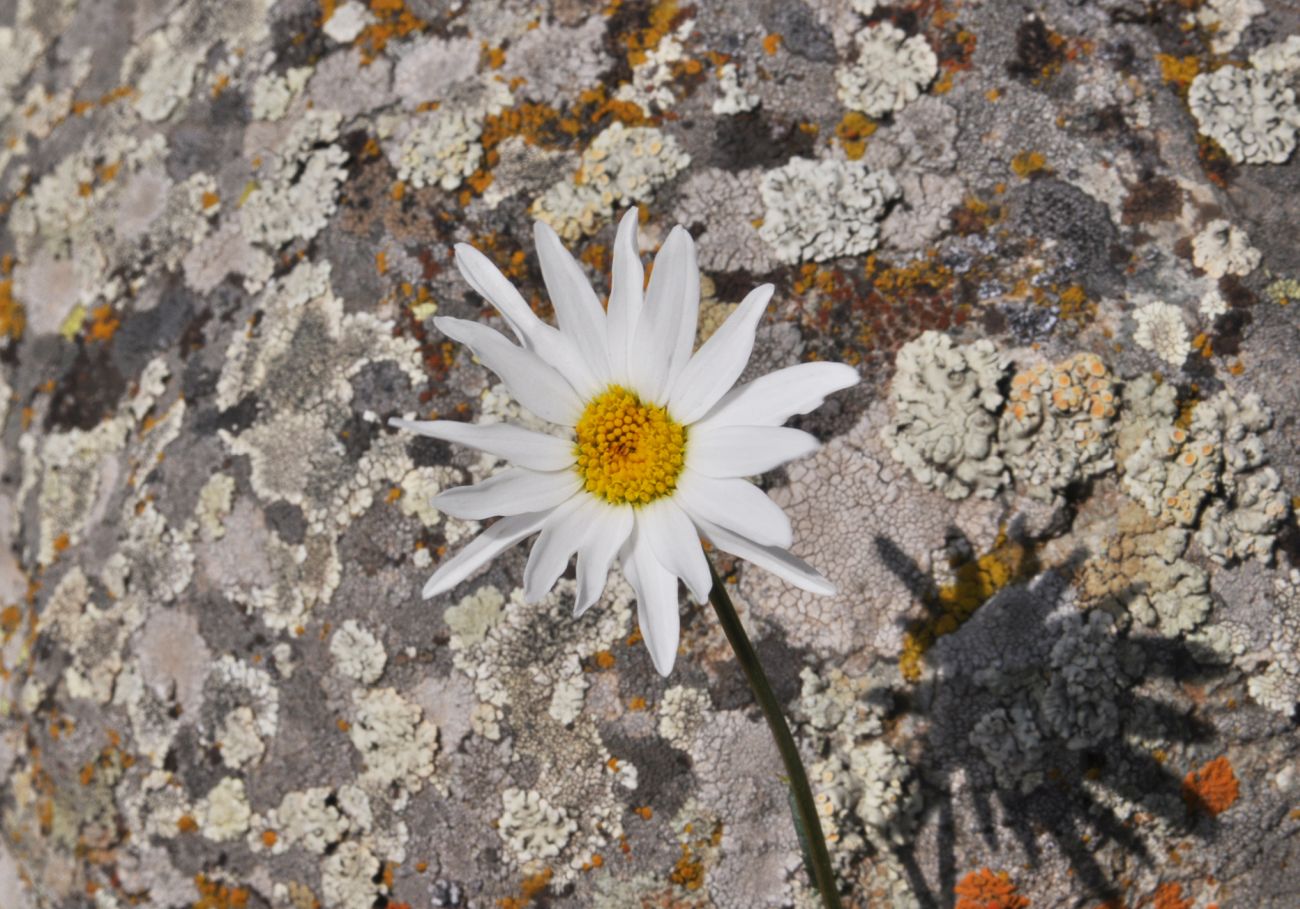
x=479 y=272
x=576 y=306
x=666 y=330
x=521 y=447
x=532 y=332
x=656 y=602
x=718 y=364
x=531 y=381
x=676 y=545
x=734 y=504
x=770 y=558
x=482 y=549
x=512 y=491
x=774 y=398
x=561 y=535
x=626 y=294
x=745 y=451
x=609 y=529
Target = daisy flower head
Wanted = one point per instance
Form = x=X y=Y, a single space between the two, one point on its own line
x=652 y=441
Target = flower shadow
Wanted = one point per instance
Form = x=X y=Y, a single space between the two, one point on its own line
x=1085 y=792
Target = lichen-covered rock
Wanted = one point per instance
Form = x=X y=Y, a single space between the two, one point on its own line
x=224 y=231
x=946 y=401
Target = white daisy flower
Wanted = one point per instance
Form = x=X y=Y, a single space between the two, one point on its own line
x=652 y=441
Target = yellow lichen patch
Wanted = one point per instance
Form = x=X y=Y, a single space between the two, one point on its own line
x=853 y=132
x=12 y=317
x=628 y=452
x=1212 y=788
x=1027 y=163
x=976 y=581
x=985 y=889
x=1178 y=71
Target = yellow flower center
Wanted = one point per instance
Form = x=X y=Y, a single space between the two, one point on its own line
x=629 y=453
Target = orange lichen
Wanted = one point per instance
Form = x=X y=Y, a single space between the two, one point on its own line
x=392 y=21
x=664 y=16
x=213 y=895
x=771 y=43
x=985 y=889
x=1170 y=896
x=1212 y=788
x=853 y=131
x=103 y=323
x=187 y=824
x=1027 y=163
x=269 y=838
x=1178 y=71
x=530 y=888
x=381 y=262
x=13 y=319
x=604 y=659
x=637 y=703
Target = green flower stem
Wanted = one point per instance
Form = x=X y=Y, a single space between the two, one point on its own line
x=807 y=824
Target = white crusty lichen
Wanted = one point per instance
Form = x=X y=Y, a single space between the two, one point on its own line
x=308 y=818
x=296 y=189
x=223 y=814
x=1277 y=688
x=1251 y=113
x=531 y=827
x=1210 y=474
x=866 y=792
x=819 y=210
x=1139 y=573
x=946 y=401
x=1222 y=249
x=299 y=361
x=274 y=92
x=396 y=742
x=1161 y=330
x=357 y=653
x=682 y=711
x=1250 y=507
x=890 y=70
x=1226 y=21
x=348 y=877
x=622 y=165
x=441 y=150
x=525 y=662
x=1059 y=424
x=732 y=98
x=241 y=742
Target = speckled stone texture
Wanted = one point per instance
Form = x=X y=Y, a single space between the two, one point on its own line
x=1057 y=238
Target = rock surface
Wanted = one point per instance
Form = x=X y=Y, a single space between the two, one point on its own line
x=1056 y=239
